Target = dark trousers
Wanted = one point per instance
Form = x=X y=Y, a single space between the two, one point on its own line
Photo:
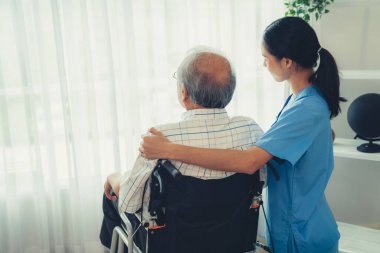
x=110 y=221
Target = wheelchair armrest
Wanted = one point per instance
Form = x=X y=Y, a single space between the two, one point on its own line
x=127 y=223
x=170 y=169
x=163 y=171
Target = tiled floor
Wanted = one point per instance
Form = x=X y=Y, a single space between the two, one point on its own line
x=357 y=239
x=354 y=239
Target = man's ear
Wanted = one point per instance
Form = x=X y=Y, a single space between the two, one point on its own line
x=184 y=94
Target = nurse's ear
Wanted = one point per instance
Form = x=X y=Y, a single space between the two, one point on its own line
x=287 y=63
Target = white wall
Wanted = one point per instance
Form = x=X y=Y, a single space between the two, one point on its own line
x=351 y=33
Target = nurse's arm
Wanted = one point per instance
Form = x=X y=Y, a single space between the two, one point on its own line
x=156 y=146
x=243 y=161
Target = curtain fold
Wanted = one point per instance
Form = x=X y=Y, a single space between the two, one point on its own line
x=81 y=80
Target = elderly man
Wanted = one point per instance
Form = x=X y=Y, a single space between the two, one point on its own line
x=205 y=85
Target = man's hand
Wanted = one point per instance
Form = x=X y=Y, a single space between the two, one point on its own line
x=112 y=184
x=155 y=145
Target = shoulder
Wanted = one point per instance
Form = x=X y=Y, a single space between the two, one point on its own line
x=254 y=127
x=311 y=106
x=169 y=128
x=243 y=119
x=313 y=100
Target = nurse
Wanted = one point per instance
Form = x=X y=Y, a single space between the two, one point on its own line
x=300 y=219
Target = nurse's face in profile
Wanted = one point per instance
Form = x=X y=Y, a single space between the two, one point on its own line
x=280 y=69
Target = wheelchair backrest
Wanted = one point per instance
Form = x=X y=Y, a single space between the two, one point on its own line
x=204 y=215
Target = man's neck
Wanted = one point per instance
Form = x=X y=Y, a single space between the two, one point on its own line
x=193 y=107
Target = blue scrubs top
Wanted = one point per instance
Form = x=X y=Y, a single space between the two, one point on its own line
x=299 y=216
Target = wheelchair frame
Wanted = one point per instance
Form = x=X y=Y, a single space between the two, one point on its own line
x=123 y=235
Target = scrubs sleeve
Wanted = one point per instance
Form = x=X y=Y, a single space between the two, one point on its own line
x=293 y=133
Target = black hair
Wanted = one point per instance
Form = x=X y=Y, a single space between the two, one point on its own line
x=294 y=38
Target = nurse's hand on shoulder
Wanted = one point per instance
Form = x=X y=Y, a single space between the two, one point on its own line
x=154 y=145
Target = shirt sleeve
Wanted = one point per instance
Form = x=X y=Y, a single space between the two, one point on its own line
x=294 y=132
x=256 y=133
x=132 y=185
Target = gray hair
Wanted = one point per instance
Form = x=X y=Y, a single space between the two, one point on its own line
x=208 y=77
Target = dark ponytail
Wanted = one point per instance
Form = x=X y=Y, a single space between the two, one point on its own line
x=293 y=38
x=326 y=78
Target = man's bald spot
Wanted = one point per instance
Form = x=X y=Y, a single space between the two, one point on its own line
x=215 y=67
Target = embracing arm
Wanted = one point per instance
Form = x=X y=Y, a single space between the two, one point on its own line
x=243 y=161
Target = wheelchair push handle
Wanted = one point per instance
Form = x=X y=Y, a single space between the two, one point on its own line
x=170 y=169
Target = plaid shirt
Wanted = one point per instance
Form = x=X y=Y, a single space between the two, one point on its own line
x=206 y=128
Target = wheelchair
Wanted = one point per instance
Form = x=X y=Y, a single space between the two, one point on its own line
x=191 y=215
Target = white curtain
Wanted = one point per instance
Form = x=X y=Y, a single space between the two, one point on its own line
x=81 y=80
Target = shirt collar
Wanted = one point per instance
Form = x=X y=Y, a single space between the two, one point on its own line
x=309 y=90
x=205 y=114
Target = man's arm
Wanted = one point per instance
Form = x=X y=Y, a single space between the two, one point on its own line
x=132 y=187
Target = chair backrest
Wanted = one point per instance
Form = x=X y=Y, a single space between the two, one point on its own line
x=202 y=215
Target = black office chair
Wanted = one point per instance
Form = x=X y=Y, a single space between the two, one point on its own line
x=192 y=215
